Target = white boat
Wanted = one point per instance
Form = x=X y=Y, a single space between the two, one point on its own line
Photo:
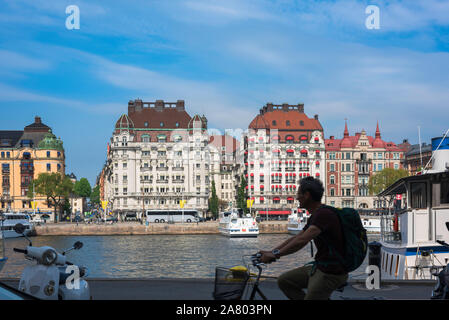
x=371 y=224
x=409 y=235
x=234 y=226
x=297 y=220
x=9 y=220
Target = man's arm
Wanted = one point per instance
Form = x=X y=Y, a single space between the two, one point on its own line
x=293 y=244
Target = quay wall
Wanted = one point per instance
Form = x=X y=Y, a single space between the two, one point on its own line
x=65 y=229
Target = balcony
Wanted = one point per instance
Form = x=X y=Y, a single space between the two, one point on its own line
x=5 y=171
x=144 y=169
x=178 y=180
x=146 y=181
x=290 y=169
x=161 y=168
x=26 y=170
x=177 y=168
x=161 y=181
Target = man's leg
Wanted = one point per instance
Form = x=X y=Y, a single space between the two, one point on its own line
x=292 y=282
x=321 y=285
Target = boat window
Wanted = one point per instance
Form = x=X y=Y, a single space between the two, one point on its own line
x=444 y=195
x=419 y=195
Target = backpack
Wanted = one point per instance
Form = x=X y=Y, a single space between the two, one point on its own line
x=354 y=237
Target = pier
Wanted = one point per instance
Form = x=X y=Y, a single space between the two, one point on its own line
x=135 y=228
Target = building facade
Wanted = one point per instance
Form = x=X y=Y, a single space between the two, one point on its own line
x=23 y=156
x=418 y=157
x=159 y=155
x=228 y=150
x=283 y=145
x=351 y=161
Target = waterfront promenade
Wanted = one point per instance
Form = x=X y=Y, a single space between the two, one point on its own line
x=201 y=289
x=135 y=228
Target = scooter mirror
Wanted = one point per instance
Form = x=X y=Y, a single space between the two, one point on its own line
x=78 y=245
x=19 y=228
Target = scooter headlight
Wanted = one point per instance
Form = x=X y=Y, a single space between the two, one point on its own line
x=49 y=257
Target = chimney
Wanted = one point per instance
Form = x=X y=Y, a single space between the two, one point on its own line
x=270 y=106
x=159 y=105
x=285 y=107
x=131 y=107
x=180 y=105
x=332 y=137
x=37 y=120
x=315 y=117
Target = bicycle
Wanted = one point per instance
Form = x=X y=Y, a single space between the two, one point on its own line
x=231 y=283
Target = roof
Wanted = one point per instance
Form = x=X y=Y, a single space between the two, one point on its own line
x=414 y=149
x=9 y=138
x=280 y=118
x=351 y=142
x=37 y=126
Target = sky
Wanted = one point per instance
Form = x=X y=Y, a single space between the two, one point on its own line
x=226 y=59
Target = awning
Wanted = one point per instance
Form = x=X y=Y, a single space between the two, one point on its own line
x=290 y=198
x=303 y=138
x=316 y=139
x=283 y=212
x=262 y=186
x=276 y=151
x=317 y=162
x=252 y=174
x=261 y=198
x=276 y=198
x=317 y=174
x=289 y=138
x=275 y=137
x=303 y=151
x=290 y=150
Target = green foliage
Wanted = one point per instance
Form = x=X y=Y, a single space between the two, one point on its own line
x=213 y=201
x=95 y=195
x=385 y=178
x=55 y=186
x=241 y=196
x=82 y=188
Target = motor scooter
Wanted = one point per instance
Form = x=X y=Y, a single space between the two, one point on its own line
x=52 y=277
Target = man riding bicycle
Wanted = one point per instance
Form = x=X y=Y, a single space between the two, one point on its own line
x=326 y=273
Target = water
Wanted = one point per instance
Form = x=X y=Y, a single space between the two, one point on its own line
x=160 y=256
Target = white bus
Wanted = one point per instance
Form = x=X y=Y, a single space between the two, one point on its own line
x=161 y=216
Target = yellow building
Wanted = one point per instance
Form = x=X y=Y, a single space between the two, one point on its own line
x=23 y=156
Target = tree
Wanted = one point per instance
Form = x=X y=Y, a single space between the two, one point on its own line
x=241 y=196
x=213 y=201
x=385 y=178
x=95 y=195
x=55 y=186
x=82 y=188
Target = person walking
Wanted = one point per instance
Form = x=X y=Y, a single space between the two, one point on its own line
x=326 y=273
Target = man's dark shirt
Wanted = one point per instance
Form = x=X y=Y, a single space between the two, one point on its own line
x=329 y=224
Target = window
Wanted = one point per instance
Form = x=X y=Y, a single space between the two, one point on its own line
x=444 y=195
x=125 y=165
x=287 y=122
x=48 y=154
x=379 y=167
x=161 y=124
x=145 y=138
x=273 y=122
x=332 y=192
x=48 y=167
x=332 y=179
x=332 y=155
x=348 y=167
x=332 y=167
x=301 y=123
x=348 y=192
x=396 y=166
x=146 y=124
x=177 y=124
x=348 y=155
x=419 y=195
x=59 y=167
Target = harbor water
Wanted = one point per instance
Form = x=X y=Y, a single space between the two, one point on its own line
x=161 y=256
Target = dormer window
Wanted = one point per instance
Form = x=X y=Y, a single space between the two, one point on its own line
x=273 y=122
x=301 y=123
x=177 y=124
x=161 y=124
x=146 y=124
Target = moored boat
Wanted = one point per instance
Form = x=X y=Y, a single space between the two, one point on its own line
x=411 y=231
x=9 y=220
x=297 y=220
x=231 y=224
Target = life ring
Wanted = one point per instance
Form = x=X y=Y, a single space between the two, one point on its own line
x=396 y=223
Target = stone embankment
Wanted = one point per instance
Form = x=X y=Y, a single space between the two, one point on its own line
x=127 y=228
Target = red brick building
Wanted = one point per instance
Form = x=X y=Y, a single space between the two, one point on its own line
x=351 y=161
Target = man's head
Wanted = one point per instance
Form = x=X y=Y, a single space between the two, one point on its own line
x=310 y=191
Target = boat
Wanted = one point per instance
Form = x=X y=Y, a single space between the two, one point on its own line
x=371 y=224
x=235 y=225
x=297 y=220
x=417 y=219
x=10 y=219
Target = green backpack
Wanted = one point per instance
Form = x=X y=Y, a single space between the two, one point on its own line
x=354 y=237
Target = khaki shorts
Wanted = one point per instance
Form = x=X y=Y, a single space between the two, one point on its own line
x=319 y=285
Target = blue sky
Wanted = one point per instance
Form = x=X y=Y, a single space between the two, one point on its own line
x=226 y=59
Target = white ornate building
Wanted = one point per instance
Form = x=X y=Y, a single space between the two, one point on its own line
x=159 y=155
x=283 y=145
